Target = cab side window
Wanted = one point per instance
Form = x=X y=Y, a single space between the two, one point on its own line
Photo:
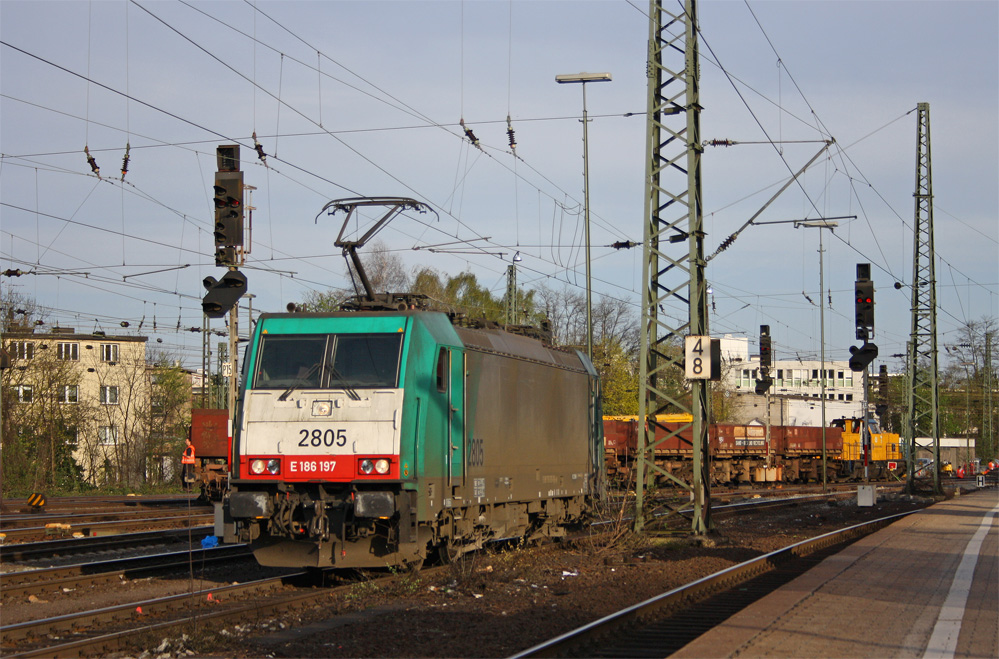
x=442 y=370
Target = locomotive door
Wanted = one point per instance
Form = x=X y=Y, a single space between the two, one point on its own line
x=456 y=418
x=451 y=388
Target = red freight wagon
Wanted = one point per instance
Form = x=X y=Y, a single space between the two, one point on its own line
x=210 y=436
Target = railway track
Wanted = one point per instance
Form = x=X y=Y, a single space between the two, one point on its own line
x=87 y=575
x=66 y=548
x=51 y=528
x=662 y=625
x=131 y=625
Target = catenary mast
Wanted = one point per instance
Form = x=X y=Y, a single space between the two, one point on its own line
x=923 y=393
x=674 y=301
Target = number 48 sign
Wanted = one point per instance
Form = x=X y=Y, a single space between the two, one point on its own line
x=702 y=357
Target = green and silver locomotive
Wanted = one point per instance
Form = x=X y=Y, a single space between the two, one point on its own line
x=379 y=436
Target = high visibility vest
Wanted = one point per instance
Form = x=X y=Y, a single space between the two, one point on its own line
x=188 y=457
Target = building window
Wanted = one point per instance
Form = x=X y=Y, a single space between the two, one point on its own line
x=109 y=352
x=849 y=396
x=69 y=352
x=108 y=435
x=70 y=394
x=72 y=436
x=22 y=349
x=109 y=395
x=24 y=393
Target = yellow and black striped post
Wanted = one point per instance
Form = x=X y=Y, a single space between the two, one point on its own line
x=37 y=502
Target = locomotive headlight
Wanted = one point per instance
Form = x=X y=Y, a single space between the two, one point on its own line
x=322 y=407
x=380 y=466
x=259 y=467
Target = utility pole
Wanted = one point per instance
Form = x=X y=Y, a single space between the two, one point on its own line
x=673 y=253
x=923 y=394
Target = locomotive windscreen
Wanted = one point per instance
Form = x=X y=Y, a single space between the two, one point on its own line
x=328 y=361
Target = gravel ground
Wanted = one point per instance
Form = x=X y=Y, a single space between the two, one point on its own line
x=491 y=604
x=497 y=603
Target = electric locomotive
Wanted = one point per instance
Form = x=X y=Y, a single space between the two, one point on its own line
x=382 y=434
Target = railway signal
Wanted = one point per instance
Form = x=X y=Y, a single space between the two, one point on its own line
x=766 y=361
x=223 y=294
x=864 y=302
x=862 y=356
x=228 y=205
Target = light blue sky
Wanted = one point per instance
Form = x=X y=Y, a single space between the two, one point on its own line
x=376 y=113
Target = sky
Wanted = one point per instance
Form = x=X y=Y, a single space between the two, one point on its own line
x=366 y=98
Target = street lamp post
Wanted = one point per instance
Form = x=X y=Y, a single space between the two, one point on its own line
x=584 y=78
x=824 y=224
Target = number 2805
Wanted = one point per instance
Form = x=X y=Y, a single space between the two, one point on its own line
x=318 y=437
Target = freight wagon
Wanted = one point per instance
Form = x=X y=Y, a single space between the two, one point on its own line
x=747 y=453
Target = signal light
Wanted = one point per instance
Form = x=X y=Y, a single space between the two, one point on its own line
x=228 y=209
x=862 y=356
x=223 y=294
x=766 y=355
x=225 y=256
x=864 y=302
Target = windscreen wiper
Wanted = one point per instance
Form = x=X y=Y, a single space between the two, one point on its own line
x=309 y=374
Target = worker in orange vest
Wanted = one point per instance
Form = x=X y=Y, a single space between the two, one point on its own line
x=187 y=460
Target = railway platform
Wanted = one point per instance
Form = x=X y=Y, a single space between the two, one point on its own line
x=926 y=586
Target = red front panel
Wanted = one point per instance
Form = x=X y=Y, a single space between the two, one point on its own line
x=339 y=468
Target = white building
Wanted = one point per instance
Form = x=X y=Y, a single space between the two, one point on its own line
x=796 y=393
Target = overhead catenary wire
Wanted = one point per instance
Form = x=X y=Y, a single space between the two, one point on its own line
x=554 y=209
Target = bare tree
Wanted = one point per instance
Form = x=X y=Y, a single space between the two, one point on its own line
x=384 y=268
x=969 y=383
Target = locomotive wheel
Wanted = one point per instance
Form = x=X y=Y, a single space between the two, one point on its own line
x=414 y=566
x=448 y=552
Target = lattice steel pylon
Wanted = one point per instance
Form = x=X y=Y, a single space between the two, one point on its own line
x=923 y=393
x=673 y=250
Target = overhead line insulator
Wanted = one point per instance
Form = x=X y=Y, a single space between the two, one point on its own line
x=469 y=134
x=92 y=162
